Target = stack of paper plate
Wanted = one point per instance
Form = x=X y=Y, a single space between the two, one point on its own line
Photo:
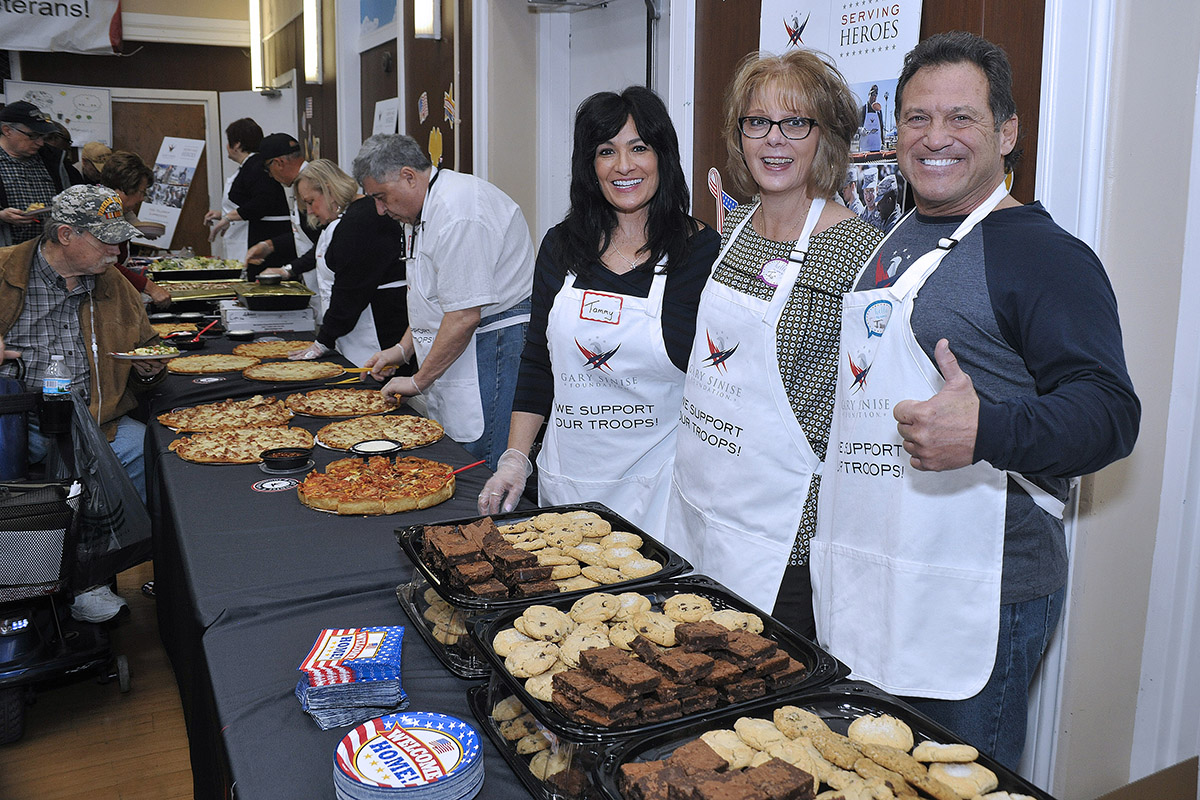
x=420 y=754
x=352 y=675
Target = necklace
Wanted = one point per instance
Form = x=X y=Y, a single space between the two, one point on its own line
x=624 y=258
x=798 y=220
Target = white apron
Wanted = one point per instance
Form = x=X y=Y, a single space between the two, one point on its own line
x=234 y=241
x=735 y=519
x=362 y=341
x=611 y=434
x=905 y=564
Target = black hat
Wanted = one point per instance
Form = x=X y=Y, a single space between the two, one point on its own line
x=278 y=144
x=27 y=114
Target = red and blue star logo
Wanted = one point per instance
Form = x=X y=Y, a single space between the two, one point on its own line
x=716 y=356
x=596 y=360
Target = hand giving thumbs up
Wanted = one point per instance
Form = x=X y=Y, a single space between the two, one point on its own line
x=939 y=433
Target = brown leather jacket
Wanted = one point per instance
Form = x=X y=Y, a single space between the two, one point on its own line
x=121 y=325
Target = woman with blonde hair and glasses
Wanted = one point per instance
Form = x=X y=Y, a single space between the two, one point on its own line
x=360 y=266
x=760 y=382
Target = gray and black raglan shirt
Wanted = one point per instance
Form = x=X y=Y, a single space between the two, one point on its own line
x=1030 y=314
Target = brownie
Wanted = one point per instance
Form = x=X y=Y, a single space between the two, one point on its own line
x=745 y=689
x=655 y=785
x=723 y=672
x=606 y=700
x=700 y=637
x=780 y=780
x=722 y=788
x=491 y=589
x=654 y=710
x=697 y=756
x=704 y=699
x=526 y=574
x=646 y=650
x=772 y=664
x=573 y=684
x=749 y=648
x=564 y=704
x=534 y=588
x=456 y=551
x=508 y=558
x=632 y=677
x=600 y=659
x=685 y=787
x=629 y=772
x=571 y=782
x=471 y=572
x=684 y=667
x=590 y=717
x=476 y=531
x=793 y=673
x=670 y=690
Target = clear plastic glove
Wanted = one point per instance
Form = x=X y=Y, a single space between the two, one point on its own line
x=315 y=350
x=503 y=490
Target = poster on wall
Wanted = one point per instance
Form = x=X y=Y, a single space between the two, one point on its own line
x=377 y=23
x=867 y=41
x=82 y=26
x=387 y=112
x=86 y=111
x=174 y=170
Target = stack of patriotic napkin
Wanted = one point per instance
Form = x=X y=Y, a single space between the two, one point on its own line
x=352 y=675
x=414 y=754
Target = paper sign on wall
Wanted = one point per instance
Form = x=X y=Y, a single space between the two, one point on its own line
x=387 y=112
x=85 y=111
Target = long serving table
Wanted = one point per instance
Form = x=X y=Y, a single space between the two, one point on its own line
x=246 y=576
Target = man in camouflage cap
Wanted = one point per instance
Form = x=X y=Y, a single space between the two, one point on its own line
x=58 y=296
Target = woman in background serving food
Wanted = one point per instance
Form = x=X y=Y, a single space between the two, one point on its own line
x=127 y=175
x=360 y=266
x=759 y=394
x=614 y=306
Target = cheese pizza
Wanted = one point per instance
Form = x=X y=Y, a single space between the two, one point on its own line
x=270 y=349
x=410 y=431
x=255 y=412
x=238 y=445
x=163 y=328
x=378 y=485
x=340 y=403
x=200 y=365
x=292 y=371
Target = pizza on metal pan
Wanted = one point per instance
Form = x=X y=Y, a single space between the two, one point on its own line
x=378 y=485
x=238 y=445
x=292 y=371
x=340 y=403
x=255 y=412
x=199 y=365
x=270 y=349
x=410 y=431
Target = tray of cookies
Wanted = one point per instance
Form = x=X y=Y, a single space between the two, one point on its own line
x=550 y=767
x=489 y=563
x=603 y=666
x=850 y=738
x=444 y=628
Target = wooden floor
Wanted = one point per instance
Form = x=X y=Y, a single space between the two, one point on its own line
x=86 y=740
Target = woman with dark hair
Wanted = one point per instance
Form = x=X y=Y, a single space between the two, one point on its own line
x=242 y=137
x=759 y=395
x=615 y=290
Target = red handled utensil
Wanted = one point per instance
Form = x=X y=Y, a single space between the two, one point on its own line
x=468 y=466
x=205 y=329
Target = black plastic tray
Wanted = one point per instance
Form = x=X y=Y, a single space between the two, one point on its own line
x=477 y=699
x=838 y=705
x=192 y=274
x=411 y=539
x=462 y=659
x=823 y=668
x=287 y=296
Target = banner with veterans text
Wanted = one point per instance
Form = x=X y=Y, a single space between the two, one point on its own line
x=867 y=40
x=75 y=26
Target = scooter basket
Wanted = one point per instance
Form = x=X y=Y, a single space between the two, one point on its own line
x=36 y=523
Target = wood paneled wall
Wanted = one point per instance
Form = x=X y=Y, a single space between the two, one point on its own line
x=429 y=68
x=283 y=51
x=149 y=65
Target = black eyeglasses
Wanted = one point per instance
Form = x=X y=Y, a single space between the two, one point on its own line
x=35 y=136
x=791 y=127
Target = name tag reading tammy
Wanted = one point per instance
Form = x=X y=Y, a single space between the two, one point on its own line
x=601 y=307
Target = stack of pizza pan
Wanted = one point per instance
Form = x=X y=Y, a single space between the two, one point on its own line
x=417 y=754
x=351 y=675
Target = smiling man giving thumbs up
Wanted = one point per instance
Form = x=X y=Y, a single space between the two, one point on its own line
x=981 y=369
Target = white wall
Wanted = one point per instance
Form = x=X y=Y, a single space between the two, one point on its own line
x=511 y=123
x=1151 y=110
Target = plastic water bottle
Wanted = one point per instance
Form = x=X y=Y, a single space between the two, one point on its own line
x=56 y=398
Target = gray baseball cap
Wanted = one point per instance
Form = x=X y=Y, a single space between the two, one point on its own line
x=95 y=209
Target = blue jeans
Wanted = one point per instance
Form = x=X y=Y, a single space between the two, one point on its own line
x=129 y=446
x=994 y=720
x=497 y=359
